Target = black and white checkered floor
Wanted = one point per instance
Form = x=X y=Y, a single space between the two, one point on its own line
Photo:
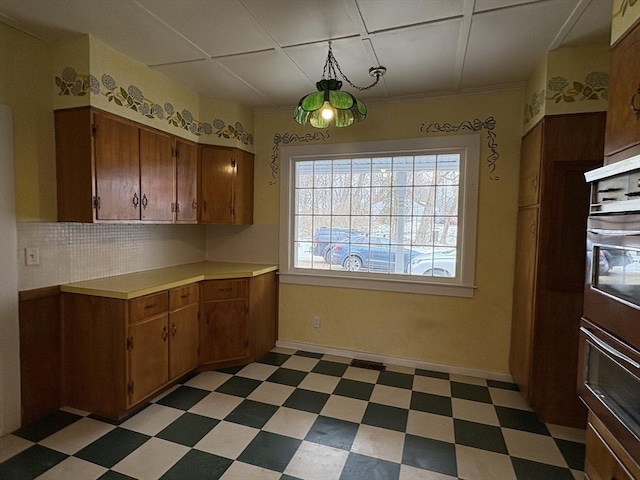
x=301 y=415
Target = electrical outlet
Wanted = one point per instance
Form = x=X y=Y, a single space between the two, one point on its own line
x=31 y=256
x=316 y=322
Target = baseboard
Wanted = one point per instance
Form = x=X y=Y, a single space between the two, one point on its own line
x=436 y=367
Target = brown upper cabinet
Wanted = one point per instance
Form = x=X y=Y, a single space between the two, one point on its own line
x=226 y=185
x=110 y=169
x=186 y=208
x=622 y=137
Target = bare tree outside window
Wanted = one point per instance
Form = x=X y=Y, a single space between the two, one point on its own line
x=384 y=214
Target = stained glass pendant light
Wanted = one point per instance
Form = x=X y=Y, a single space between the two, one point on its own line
x=330 y=104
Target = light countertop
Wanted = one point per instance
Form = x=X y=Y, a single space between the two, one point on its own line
x=137 y=284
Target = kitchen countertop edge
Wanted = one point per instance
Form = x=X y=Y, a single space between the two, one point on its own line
x=147 y=282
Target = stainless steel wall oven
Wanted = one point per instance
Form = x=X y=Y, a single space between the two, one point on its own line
x=609 y=369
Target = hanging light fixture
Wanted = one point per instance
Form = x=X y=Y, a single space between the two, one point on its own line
x=330 y=104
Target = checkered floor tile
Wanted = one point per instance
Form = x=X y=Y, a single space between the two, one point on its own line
x=301 y=415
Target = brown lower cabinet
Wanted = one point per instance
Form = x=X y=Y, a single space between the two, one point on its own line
x=605 y=458
x=118 y=353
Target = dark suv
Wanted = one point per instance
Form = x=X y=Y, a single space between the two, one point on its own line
x=325 y=237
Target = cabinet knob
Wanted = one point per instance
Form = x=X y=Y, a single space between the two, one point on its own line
x=635 y=109
x=136 y=200
x=145 y=201
x=165 y=333
x=174 y=329
x=194 y=205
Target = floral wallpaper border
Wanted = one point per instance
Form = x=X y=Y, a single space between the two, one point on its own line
x=76 y=84
x=475 y=125
x=594 y=87
x=533 y=108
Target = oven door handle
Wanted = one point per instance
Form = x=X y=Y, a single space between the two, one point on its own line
x=609 y=348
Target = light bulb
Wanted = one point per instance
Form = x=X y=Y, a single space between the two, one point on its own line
x=327 y=111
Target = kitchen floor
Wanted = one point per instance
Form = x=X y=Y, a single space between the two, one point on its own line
x=300 y=415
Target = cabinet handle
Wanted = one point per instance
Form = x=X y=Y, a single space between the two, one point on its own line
x=194 y=205
x=174 y=329
x=534 y=182
x=228 y=289
x=532 y=227
x=204 y=205
x=146 y=307
x=165 y=333
x=145 y=201
x=186 y=295
x=635 y=109
x=136 y=200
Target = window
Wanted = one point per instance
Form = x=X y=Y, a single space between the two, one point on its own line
x=396 y=215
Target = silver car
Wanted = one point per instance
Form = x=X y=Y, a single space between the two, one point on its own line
x=441 y=263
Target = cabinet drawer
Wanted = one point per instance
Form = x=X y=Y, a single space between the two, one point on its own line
x=181 y=296
x=224 y=289
x=148 y=306
x=601 y=463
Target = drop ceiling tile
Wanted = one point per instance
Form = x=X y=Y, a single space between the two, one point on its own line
x=352 y=58
x=484 y=5
x=209 y=78
x=590 y=28
x=123 y=25
x=294 y=22
x=213 y=26
x=272 y=74
x=383 y=15
x=419 y=60
x=505 y=45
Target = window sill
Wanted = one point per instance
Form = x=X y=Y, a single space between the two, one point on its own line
x=364 y=282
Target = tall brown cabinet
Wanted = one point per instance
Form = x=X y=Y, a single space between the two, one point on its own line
x=550 y=252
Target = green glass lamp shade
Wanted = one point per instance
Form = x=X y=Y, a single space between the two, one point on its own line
x=346 y=108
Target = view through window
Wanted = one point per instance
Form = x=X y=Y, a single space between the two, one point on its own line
x=382 y=214
x=389 y=215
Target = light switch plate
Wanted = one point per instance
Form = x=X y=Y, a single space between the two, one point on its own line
x=31 y=256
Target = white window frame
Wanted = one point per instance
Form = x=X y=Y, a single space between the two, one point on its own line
x=462 y=286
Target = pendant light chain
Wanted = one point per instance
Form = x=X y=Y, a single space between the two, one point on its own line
x=332 y=64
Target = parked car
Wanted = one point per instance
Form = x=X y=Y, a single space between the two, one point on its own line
x=440 y=264
x=325 y=237
x=369 y=253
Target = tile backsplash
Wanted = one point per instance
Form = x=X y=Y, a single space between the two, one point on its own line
x=71 y=252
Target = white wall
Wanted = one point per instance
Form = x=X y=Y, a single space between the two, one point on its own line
x=9 y=329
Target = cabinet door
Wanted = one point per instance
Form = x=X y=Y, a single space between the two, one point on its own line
x=186 y=182
x=148 y=357
x=623 y=126
x=243 y=188
x=600 y=462
x=183 y=340
x=157 y=180
x=117 y=169
x=530 y=159
x=224 y=332
x=216 y=184
x=523 y=298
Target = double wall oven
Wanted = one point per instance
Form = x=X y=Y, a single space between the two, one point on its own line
x=609 y=370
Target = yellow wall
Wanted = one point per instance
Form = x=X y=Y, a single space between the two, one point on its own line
x=568 y=80
x=25 y=85
x=89 y=72
x=625 y=14
x=471 y=333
